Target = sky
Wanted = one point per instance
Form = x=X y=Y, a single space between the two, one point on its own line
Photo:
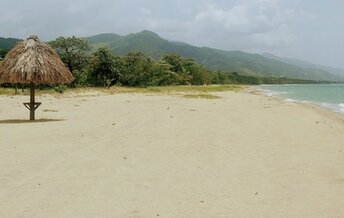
x=310 y=30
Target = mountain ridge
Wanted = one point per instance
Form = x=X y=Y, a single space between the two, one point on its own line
x=154 y=46
x=305 y=64
x=151 y=44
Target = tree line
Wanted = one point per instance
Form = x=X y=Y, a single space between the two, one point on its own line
x=103 y=69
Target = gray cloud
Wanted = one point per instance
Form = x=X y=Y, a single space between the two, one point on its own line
x=286 y=28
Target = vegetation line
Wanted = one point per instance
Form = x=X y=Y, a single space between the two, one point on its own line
x=128 y=90
x=102 y=69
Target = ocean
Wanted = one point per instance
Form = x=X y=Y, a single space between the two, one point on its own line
x=330 y=96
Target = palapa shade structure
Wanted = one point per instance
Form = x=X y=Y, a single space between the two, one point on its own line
x=33 y=62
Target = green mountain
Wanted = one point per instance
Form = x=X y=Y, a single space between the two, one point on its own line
x=154 y=46
x=8 y=43
x=305 y=64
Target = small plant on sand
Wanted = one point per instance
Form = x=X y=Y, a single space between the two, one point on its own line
x=49 y=110
x=60 y=88
x=201 y=96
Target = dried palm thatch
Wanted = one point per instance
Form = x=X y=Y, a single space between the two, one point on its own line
x=33 y=61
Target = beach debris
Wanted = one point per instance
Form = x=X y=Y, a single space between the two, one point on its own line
x=125 y=158
x=114 y=124
x=256 y=193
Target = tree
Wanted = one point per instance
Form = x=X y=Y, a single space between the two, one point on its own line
x=189 y=72
x=199 y=75
x=72 y=51
x=137 y=71
x=176 y=62
x=104 y=68
x=3 y=53
x=162 y=75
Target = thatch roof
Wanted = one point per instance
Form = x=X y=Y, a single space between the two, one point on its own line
x=33 y=61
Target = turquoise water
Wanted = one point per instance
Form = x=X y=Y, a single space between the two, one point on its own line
x=330 y=96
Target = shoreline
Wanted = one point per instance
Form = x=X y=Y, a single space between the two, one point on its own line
x=336 y=108
x=312 y=105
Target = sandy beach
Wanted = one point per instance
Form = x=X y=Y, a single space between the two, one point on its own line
x=97 y=155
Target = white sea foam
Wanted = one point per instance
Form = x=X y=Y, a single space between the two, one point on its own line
x=341 y=107
x=271 y=93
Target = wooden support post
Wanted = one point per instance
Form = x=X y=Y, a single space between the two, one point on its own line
x=32 y=105
x=32 y=101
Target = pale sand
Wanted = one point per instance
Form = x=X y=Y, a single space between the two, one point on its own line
x=131 y=155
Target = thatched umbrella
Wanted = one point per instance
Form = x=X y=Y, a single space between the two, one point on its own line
x=33 y=62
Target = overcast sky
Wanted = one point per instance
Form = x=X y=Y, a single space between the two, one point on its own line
x=311 y=30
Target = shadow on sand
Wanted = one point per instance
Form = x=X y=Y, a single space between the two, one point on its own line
x=14 y=121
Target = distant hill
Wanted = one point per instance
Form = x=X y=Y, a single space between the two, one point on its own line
x=305 y=64
x=8 y=43
x=154 y=46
